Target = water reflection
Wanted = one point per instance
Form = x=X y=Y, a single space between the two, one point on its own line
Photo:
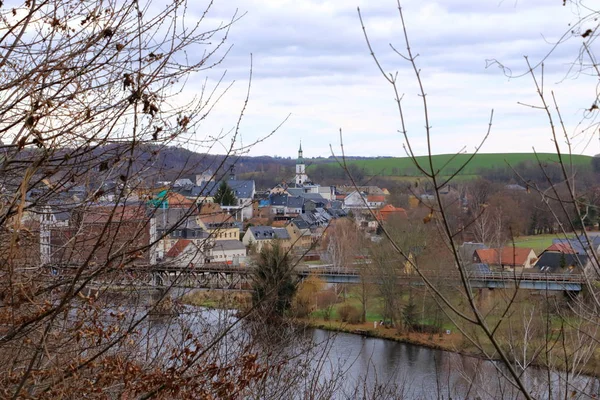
x=366 y=367
x=423 y=373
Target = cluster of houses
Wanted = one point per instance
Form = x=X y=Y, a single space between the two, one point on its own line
x=180 y=221
x=564 y=256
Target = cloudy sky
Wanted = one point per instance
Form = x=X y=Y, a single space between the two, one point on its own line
x=311 y=61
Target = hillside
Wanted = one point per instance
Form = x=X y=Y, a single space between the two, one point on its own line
x=450 y=163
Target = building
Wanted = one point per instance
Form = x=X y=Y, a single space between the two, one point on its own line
x=301 y=177
x=228 y=251
x=175 y=224
x=259 y=236
x=220 y=226
x=300 y=234
x=105 y=235
x=506 y=258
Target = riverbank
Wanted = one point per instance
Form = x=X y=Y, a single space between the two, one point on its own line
x=450 y=341
x=453 y=342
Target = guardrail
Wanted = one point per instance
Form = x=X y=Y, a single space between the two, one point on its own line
x=336 y=271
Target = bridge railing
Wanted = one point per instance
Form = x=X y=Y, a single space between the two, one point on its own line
x=431 y=274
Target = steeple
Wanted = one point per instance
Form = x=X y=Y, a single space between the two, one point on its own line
x=300 y=158
x=300 y=168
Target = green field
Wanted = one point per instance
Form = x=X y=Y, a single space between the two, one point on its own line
x=450 y=163
x=538 y=243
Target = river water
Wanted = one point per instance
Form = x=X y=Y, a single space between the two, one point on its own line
x=416 y=372
x=369 y=368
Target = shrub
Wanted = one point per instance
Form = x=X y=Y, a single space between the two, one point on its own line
x=346 y=311
x=326 y=299
x=355 y=316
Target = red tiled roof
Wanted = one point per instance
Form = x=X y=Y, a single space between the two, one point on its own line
x=388 y=210
x=219 y=218
x=178 y=247
x=564 y=248
x=375 y=199
x=515 y=256
x=176 y=200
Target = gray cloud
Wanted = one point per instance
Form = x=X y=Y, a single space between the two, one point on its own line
x=311 y=60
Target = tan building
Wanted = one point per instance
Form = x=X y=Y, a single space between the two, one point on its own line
x=300 y=234
x=220 y=226
x=259 y=236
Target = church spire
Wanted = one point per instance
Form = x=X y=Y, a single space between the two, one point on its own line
x=300 y=158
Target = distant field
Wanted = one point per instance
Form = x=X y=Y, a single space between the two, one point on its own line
x=404 y=166
x=538 y=243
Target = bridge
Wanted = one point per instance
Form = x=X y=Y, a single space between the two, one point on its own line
x=218 y=275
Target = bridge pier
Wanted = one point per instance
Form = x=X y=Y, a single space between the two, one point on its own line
x=485 y=297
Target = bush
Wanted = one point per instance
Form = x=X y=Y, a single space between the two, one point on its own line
x=326 y=299
x=346 y=311
x=355 y=316
x=301 y=308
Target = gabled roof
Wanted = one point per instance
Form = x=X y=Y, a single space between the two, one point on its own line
x=295 y=191
x=295 y=202
x=218 y=218
x=561 y=248
x=242 y=189
x=375 y=198
x=224 y=245
x=268 y=233
x=279 y=200
x=300 y=223
x=316 y=197
x=388 y=210
x=467 y=249
x=581 y=245
x=554 y=262
x=514 y=256
x=178 y=248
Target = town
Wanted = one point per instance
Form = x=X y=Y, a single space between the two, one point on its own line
x=192 y=222
x=380 y=200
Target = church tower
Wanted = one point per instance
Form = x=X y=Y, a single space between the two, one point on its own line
x=301 y=176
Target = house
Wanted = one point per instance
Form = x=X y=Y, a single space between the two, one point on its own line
x=565 y=248
x=186 y=252
x=244 y=191
x=228 y=251
x=285 y=205
x=506 y=258
x=105 y=235
x=220 y=226
x=554 y=262
x=466 y=251
x=260 y=236
x=388 y=212
x=174 y=224
x=375 y=201
x=300 y=234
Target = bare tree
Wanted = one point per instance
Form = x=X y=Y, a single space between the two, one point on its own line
x=93 y=93
x=506 y=330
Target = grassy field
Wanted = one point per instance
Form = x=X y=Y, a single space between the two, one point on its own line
x=538 y=243
x=450 y=163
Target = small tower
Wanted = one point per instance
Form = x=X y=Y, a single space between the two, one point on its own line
x=301 y=176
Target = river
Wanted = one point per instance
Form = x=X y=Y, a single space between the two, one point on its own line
x=368 y=368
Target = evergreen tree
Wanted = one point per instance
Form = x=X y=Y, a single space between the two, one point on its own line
x=225 y=195
x=273 y=280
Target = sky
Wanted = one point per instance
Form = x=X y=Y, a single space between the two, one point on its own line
x=311 y=65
